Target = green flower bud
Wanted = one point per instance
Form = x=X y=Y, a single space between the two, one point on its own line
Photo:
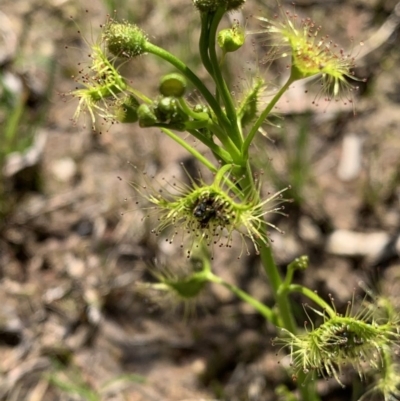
x=146 y=116
x=231 y=39
x=207 y=6
x=173 y=85
x=166 y=108
x=126 y=111
x=200 y=108
x=300 y=263
x=168 y=111
x=124 y=39
x=210 y=6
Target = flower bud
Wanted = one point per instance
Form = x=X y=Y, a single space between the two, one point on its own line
x=300 y=263
x=231 y=39
x=168 y=111
x=124 y=39
x=166 y=108
x=207 y=6
x=127 y=110
x=146 y=116
x=201 y=108
x=210 y=6
x=173 y=85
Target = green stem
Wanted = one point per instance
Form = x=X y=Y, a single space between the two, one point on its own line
x=221 y=154
x=286 y=319
x=191 y=150
x=220 y=176
x=203 y=43
x=227 y=142
x=264 y=310
x=139 y=95
x=223 y=89
x=191 y=113
x=267 y=258
x=313 y=297
x=300 y=263
x=263 y=116
x=195 y=125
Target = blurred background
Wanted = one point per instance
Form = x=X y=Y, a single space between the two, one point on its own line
x=75 y=321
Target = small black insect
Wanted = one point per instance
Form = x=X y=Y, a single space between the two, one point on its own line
x=204 y=211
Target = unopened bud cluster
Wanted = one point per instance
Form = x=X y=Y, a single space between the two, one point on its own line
x=209 y=6
x=165 y=111
x=124 y=39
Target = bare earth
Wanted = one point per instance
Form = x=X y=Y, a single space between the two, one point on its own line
x=75 y=320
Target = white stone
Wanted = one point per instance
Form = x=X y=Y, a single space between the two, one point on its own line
x=350 y=243
x=64 y=170
x=350 y=161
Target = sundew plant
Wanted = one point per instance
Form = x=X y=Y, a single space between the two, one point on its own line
x=205 y=216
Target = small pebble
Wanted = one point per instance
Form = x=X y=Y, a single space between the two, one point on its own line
x=64 y=170
x=350 y=162
x=350 y=243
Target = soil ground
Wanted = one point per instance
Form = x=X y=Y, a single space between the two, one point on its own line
x=76 y=322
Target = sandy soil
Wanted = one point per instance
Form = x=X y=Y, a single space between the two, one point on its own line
x=75 y=321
